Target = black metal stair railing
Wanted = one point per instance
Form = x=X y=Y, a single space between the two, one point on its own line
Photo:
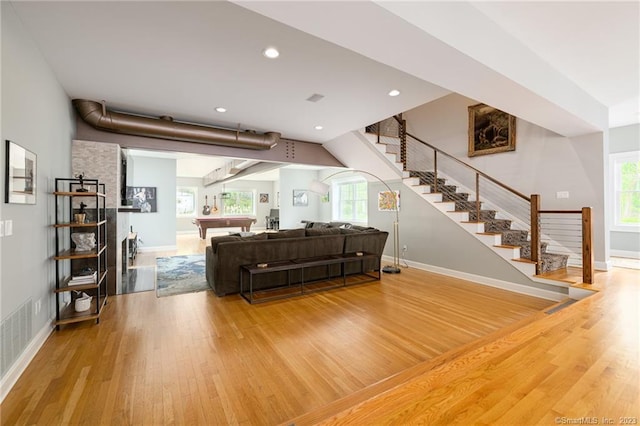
x=430 y=164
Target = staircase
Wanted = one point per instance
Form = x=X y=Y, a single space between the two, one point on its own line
x=509 y=240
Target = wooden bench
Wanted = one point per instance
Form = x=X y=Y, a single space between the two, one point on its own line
x=290 y=289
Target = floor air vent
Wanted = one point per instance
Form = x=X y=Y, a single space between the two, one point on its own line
x=15 y=332
x=561 y=306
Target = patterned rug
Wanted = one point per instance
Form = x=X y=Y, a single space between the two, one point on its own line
x=180 y=274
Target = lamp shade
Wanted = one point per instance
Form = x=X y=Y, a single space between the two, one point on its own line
x=319 y=187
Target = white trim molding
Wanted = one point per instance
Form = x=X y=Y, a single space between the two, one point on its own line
x=21 y=364
x=491 y=282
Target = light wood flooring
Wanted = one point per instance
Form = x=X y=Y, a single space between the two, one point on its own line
x=481 y=354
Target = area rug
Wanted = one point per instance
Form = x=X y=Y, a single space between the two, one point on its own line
x=180 y=274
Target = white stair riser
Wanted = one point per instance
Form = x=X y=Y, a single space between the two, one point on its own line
x=507 y=252
x=458 y=216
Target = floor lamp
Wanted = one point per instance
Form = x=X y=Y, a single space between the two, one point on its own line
x=320 y=187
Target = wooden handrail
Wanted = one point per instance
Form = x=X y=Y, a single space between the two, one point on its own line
x=481 y=173
x=534 y=200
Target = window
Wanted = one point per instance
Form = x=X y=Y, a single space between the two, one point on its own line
x=186 y=201
x=236 y=202
x=350 y=200
x=625 y=169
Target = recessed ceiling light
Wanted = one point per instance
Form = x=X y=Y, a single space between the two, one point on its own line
x=271 y=52
x=394 y=92
x=318 y=127
x=221 y=109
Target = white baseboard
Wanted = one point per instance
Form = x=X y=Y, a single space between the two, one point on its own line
x=625 y=253
x=491 y=282
x=157 y=248
x=195 y=232
x=602 y=266
x=21 y=364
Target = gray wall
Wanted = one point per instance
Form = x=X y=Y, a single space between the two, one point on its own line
x=625 y=139
x=37 y=114
x=543 y=163
x=434 y=239
x=156 y=230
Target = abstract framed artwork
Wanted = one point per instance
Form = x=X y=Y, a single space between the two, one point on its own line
x=490 y=130
x=264 y=198
x=389 y=201
x=21 y=175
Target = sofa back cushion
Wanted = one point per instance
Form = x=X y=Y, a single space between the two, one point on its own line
x=222 y=239
x=226 y=238
x=312 y=232
x=288 y=233
x=233 y=254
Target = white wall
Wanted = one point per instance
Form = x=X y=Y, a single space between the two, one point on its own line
x=543 y=162
x=156 y=230
x=36 y=114
x=292 y=216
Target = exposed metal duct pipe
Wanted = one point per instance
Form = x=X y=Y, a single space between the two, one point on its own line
x=96 y=114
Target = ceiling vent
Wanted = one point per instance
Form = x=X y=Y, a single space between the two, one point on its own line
x=96 y=115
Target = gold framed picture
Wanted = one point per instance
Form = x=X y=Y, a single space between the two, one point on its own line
x=490 y=130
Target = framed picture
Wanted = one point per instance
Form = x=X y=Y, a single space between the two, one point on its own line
x=300 y=197
x=264 y=198
x=388 y=201
x=143 y=197
x=21 y=175
x=490 y=130
x=325 y=198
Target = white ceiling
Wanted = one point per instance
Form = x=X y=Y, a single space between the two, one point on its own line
x=557 y=64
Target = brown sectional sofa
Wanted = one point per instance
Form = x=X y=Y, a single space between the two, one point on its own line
x=226 y=254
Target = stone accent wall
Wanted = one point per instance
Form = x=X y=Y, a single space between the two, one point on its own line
x=99 y=161
x=102 y=161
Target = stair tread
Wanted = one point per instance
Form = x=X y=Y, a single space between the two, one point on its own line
x=489 y=233
x=506 y=246
x=523 y=260
x=470 y=221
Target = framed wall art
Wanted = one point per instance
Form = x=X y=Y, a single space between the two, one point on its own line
x=143 y=198
x=21 y=175
x=490 y=130
x=300 y=197
x=389 y=201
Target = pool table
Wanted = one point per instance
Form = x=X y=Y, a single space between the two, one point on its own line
x=204 y=223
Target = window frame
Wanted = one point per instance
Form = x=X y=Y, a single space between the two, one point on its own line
x=239 y=190
x=615 y=162
x=336 y=202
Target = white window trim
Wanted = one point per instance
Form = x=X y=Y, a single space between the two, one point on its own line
x=335 y=205
x=615 y=159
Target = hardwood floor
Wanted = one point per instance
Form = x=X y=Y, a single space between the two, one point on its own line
x=582 y=362
x=199 y=359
